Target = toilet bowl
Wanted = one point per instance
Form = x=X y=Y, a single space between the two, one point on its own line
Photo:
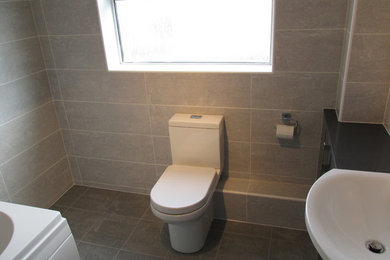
x=183 y=195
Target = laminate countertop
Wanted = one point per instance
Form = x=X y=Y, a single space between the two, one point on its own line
x=356 y=146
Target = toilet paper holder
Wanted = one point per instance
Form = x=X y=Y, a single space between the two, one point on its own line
x=288 y=120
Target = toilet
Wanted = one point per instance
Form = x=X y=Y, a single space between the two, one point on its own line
x=183 y=196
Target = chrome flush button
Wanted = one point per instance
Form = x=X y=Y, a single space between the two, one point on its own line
x=195 y=116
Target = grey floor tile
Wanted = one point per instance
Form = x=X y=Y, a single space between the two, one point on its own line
x=61 y=209
x=129 y=204
x=148 y=215
x=290 y=234
x=71 y=196
x=235 y=246
x=149 y=237
x=81 y=221
x=95 y=199
x=284 y=249
x=111 y=231
x=247 y=229
x=125 y=255
x=95 y=252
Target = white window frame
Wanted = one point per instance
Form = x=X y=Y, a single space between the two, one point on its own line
x=114 y=58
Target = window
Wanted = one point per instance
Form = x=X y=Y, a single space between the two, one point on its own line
x=187 y=35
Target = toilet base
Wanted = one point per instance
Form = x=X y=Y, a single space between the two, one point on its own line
x=190 y=236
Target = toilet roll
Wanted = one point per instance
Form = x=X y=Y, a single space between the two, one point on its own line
x=285 y=131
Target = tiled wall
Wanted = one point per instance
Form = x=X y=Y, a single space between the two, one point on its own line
x=367 y=78
x=33 y=166
x=115 y=123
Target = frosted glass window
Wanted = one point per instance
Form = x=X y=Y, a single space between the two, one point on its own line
x=195 y=31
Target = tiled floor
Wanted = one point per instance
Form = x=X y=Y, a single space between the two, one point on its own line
x=116 y=225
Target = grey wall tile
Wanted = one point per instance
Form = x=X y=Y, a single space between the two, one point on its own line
x=78 y=52
x=199 y=89
x=74 y=168
x=237 y=157
x=373 y=16
x=21 y=57
x=23 y=95
x=340 y=97
x=310 y=14
x=47 y=52
x=276 y=212
x=265 y=121
x=229 y=206
x=24 y=168
x=61 y=114
x=370 y=59
x=237 y=121
x=108 y=117
x=125 y=147
x=117 y=173
x=39 y=18
x=3 y=192
x=47 y=188
x=71 y=17
x=102 y=86
x=365 y=102
x=308 y=50
x=386 y=119
x=54 y=85
x=279 y=189
x=12 y=27
x=23 y=132
x=284 y=161
x=301 y=91
x=229 y=184
x=68 y=143
x=162 y=150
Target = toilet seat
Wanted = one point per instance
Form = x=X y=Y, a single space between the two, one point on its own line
x=183 y=189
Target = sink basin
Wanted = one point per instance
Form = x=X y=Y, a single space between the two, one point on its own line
x=348 y=215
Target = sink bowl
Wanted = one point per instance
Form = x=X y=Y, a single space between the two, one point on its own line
x=348 y=215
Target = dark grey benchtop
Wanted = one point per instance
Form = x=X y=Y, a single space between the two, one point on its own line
x=364 y=147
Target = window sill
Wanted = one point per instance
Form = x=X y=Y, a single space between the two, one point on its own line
x=231 y=68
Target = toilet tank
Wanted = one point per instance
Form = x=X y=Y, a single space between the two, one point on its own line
x=197 y=140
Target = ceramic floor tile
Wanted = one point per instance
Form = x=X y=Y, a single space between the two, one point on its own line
x=129 y=204
x=95 y=252
x=126 y=255
x=149 y=237
x=283 y=249
x=71 y=196
x=111 y=231
x=95 y=199
x=81 y=221
x=235 y=246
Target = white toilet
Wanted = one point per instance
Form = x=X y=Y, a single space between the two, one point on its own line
x=183 y=196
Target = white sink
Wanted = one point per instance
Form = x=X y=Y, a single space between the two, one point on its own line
x=345 y=209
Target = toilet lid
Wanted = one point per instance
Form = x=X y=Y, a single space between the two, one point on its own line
x=183 y=189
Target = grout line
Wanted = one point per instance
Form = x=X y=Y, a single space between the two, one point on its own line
x=191 y=106
x=20 y=78
x=372 y=34
x=113 y=160
x=107 y=132
x=5 y=187
x=19 y=40
x=347 y=61
x=311 y=29
x=74 y=35
x=31 y=146
x=26 y=113
x=39 y=175
x=148 y=100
